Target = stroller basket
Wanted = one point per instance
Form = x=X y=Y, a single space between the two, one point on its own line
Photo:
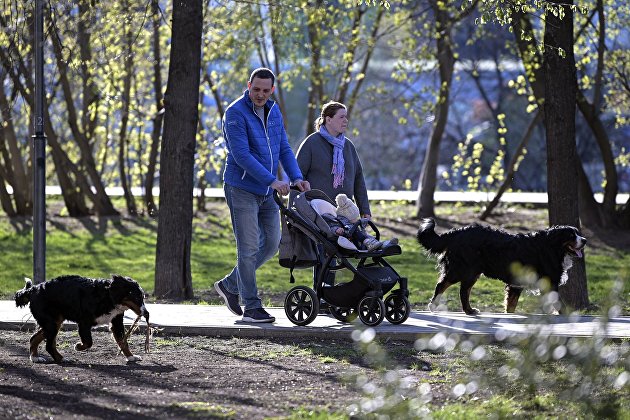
x=348 y=295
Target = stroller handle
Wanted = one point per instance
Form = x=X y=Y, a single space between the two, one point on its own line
x=279 y=200
x=369 y=223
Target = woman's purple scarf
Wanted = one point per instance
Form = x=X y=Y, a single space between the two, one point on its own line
x=338 y=162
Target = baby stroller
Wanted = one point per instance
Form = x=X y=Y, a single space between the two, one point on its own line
x=373 y=277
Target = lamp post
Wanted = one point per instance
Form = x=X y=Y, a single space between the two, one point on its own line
x=39 y=152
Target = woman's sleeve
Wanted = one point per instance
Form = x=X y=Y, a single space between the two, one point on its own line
x=286 y=156
x=303 y=157
x=360 y=190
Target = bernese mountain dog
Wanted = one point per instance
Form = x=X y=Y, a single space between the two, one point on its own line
x=88 y=302
x=465 y=253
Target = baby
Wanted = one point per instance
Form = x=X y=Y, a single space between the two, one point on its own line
x=341 y=221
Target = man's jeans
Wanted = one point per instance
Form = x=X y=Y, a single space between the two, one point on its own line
x=256 y=225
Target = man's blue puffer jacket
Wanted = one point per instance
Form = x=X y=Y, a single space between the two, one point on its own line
x=253 y=152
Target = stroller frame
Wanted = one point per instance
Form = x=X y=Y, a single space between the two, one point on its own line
x=364 y=293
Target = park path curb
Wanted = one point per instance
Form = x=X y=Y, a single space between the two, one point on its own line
x=217 y=321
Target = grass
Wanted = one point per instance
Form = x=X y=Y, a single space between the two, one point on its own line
x=510 y=380
x=501 y=408
x=204 y=409
x=305 y=413
x=102 y=247
x=551 y=392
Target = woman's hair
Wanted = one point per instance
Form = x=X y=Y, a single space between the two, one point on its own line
x=328 y=110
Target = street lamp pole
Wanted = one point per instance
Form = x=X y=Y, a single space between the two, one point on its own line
x=39 y=153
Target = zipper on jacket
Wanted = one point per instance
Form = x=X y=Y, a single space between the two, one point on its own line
x=266 y=134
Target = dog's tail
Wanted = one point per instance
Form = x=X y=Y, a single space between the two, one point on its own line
x=427 y=237
x=23 y=296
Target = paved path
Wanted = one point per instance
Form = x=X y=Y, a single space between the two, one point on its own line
x=218 y=321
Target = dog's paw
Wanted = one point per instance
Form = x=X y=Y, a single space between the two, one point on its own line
x=80 y=347
x=134 y=358
x=38 y=359
x=435 y=306
x=473 y=312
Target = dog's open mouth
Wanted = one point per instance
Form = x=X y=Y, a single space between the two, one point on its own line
x=576 y=250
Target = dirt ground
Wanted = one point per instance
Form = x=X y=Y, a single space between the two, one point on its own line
x=228 y=377
x=192 y=377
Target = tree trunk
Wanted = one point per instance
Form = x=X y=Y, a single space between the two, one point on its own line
x=73 y=192
x=595 y=214
x=276 y=16
x=562 y=159
x=172 y=269
x=15 y=173
x=316 y=88
x=205 y=158
x=350 y=52
x=589 y=208
x=446 y=64
x=149 y=201
x=126 y=103
x=371 y=45
x=90 y=91
x=74 y=198
x=102 y=204
x=5 y=198
x=202 y=168
x=611 y=188
x=511 y=168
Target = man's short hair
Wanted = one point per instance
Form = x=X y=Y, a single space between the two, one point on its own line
x=263 y=73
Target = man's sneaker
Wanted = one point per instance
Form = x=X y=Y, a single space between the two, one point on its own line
x=231 y=300
x=257 y=315
x=372 y=244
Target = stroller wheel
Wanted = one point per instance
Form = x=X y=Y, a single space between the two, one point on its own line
x=301 y=305
x=343 y=314
x=397 y=308
x=371 y=310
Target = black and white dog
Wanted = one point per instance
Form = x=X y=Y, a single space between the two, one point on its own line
x=466 y=253
x=86 y=301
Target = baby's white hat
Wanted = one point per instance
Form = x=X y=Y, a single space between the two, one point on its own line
x=346 y=208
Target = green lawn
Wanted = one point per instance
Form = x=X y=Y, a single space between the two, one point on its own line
x=97 y=249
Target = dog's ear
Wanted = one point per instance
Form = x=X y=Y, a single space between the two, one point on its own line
x=120 y=279
x=561 y=234
x=117 y=282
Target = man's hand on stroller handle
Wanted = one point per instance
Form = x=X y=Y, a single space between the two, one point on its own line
x=302 y=185
x=280 y=186
x=284 y=187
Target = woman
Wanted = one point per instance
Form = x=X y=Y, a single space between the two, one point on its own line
x=329 y=161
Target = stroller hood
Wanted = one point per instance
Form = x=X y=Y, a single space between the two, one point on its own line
x=301 y=204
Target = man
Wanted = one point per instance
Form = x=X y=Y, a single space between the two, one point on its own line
x=256 y=141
